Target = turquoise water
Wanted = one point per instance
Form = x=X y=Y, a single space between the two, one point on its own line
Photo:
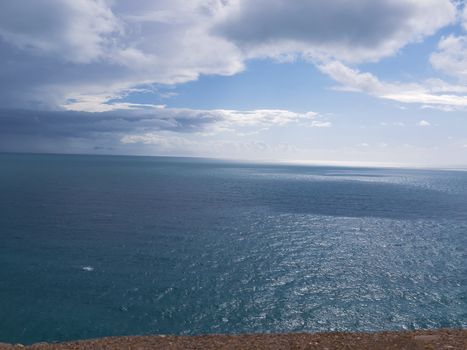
x=94 y=246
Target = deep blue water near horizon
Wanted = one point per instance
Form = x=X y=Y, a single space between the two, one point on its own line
x=95 y=246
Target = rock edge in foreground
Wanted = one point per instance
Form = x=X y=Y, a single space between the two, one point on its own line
x=427 y=339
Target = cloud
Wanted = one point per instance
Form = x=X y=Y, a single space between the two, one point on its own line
x=320 y=124
x=54 y=51
x=81 y=54
x=399 y=124
x=424 y=123
x=432 y=92
x=266 y=117
x=347 y=30
x=132 y=126
x=169 y=143
x=451 y=56
x=79 y=31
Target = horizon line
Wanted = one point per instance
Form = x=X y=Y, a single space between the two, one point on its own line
x=295 y=162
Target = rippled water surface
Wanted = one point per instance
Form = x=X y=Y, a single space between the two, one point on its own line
x=95 y=246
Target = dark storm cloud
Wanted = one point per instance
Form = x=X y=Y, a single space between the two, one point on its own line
x=85 y=124
x=342 y=29
x=361 y=23
x=21 y=128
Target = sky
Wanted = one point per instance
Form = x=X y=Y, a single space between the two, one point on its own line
x=372 y=82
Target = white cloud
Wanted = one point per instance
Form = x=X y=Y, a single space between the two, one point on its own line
x=423 y=123
x=431 y=93
x=400 y=124
x=79 y=31
x=451 y=57
x=56 y=51
x=170 y=143
x=451 y=54
x=320 y=124
x=165 y=140
x=100 y=103
x=264 y=117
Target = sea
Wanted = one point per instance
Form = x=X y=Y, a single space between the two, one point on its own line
x=94 y=246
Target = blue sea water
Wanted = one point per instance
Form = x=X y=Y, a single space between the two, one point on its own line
x=95 y=246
